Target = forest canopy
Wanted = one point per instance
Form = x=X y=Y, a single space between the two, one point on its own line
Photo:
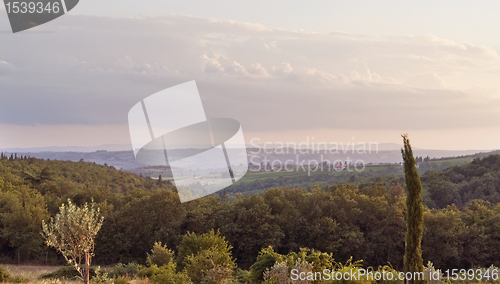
x=345 y=220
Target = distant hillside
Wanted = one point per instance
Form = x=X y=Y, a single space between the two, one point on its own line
x=117 y=159
x=106 y=147
x=479 y=179
x=388 y=173
x=60 y=180
x=126 y=160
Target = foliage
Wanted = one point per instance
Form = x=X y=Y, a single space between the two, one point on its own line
x=120 y=280
x=365 y=219
x=413 y=261
x=127 y=270
x=4 y=275
x=460 y=185
x=266 y=260
x=21 y=212
x=242 y=276
x=206 y=256
x=348 y=267
x=67 y=272
x=431 y=273
x=160 y=255
x=219 y=274
x=101 y=275
x=166 y=274
x=148 y=271
x=319 y=260
x=277 y=274
x=72 y=233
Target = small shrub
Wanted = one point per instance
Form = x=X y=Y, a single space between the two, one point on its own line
x=168 y=275
x=220 y=274
x=302 y=267
x=66 y=272
x=349 y=267
x=101 y=275
x=278 y=274
x=148 y=271
x=17 y=279
x=389 y=269
x=127 y=270
x=243 y=276
x=4 y=275
x=266 y=259
x=198 y=265
x=120 y=280
x=430 y=273
x=160 y=255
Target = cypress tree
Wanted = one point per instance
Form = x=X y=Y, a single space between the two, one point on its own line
x=413 y=261
x=160 y=180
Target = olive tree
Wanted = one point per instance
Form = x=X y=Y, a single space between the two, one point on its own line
x=72 y=233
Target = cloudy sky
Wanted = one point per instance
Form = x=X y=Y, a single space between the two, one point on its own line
x=287 y=70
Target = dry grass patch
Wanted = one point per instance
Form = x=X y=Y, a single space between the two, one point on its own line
x=30 y=273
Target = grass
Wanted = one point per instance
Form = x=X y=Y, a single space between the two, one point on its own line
x=32 y=273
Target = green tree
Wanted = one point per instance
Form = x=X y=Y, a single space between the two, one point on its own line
x=72 y=233
x=21 y=212
x=413 y=261
x=443 y=237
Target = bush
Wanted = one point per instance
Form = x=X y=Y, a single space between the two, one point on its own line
x=17 y=279
x=278 y=274
x=389 y=269
x=67 y=272
x=127 y=270
x=220 y=274
x=266 y=259
x=101 y=275
x=349 y=267
x=209 y=261
x=193 y=244
x=120 y=280
x=4 y=275
x=242 y=276
x=319 y=260
x=168 y=275
x=165 y=274
x=160 y=255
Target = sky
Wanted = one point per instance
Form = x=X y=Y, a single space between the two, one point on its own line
x=288 y=71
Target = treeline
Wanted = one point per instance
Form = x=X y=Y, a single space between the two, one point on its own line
x=366 y=223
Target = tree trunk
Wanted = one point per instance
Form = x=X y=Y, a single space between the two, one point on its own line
x=18 y=256
x=87 y=269
x=47 y=257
